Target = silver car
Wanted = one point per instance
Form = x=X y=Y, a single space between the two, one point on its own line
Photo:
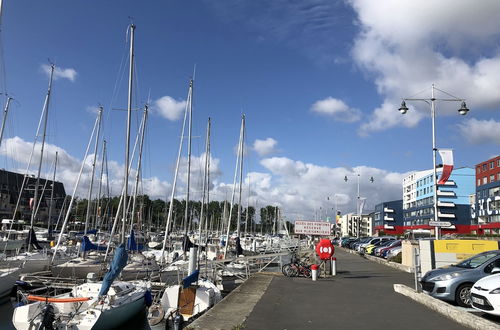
x=453 y=283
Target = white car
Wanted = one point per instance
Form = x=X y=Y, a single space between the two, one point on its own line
x=485 y=294
x=393 y=252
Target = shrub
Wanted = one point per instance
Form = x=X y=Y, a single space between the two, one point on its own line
x=397 y=258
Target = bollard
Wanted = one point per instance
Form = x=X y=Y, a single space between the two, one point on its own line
x=314 y=271
x=334 y=266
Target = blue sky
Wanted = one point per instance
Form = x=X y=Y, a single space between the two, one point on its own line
x=319 y=81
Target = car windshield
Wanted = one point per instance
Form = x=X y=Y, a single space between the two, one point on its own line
x=477 y=260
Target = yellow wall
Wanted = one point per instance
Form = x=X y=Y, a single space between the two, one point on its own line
x=464 y=248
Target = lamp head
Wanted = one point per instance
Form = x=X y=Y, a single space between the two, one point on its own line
x=345 y=178
x=463 y=109
x=403 y=108
x=371 y=179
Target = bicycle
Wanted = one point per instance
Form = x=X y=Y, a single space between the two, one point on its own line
x=297 y=268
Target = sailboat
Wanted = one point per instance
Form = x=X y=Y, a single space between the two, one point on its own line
x=92 y=305
x=8 y=278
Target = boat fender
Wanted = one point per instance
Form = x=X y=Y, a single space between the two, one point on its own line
x=155 y=314
x=148 y=298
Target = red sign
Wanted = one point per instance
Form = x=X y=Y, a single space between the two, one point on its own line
x=325 y=249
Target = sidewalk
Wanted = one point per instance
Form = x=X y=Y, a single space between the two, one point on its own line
x=361 y=296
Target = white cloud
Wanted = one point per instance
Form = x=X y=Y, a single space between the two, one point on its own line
x=69 y=167
x=336 y=109
x=301 y=188
x=408 y=45
x=69 y=73
x=265 y=147
x=480 y=131
x=298 y=188
x=169 y=108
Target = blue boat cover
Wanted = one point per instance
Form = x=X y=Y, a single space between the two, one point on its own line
x=132 y=244
x=87 y=245
x=187 y=281
x=119 y=261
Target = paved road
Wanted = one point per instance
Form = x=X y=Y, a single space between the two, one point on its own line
x=361 y=296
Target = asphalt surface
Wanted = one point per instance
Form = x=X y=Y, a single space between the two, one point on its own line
x=361 y=296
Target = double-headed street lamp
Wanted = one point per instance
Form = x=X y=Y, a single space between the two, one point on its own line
x=463 y=111
x=358 y=211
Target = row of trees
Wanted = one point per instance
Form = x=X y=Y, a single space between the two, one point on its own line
x=153 y=214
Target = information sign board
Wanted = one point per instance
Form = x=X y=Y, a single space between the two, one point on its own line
x=312 y=227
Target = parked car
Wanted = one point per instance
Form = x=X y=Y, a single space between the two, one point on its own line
x=384 y=244
x=373 y=240
x=392 y=252
x=380 y=252
x=370 y=249
x=454 y=283
x=485 y=293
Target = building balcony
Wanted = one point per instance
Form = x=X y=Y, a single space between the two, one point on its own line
x=387 y=218
x=446 y=204
x=386 y=226
x=446 y=193
x=388 y=210
x=446 y=215
x=449 y=183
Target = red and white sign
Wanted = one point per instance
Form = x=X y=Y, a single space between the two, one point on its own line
x=325 y=249
x=312 y=227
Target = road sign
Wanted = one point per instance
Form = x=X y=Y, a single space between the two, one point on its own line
x=439 y=223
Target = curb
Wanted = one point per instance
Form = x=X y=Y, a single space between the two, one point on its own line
x=232 y=311
x=464 y=318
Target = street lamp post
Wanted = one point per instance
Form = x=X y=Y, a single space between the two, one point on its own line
x=358 y=211
x=432 y=102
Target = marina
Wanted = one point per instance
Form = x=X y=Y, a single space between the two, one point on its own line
x=249 y=165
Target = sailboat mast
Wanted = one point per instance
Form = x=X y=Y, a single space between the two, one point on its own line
x=5 y=112
x=248 y=204
x=234 y=191
x=44 y=134
x=186 y=213
x=139 y=163
x=204 y=186
x=89 y=198
x=241 y=173
x=49 y=225
x=98 y=211
x=127 y=139
x=174 y=183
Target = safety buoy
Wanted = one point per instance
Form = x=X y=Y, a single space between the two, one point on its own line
x=58 y=300
x=220 y=256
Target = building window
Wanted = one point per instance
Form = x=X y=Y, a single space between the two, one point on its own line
x=492 y=165
x=484 y=167
x=485 y=180
x=478 y=182
x=478 y=169
x=492 y=178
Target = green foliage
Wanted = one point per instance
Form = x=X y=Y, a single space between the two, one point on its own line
x=397 y=258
